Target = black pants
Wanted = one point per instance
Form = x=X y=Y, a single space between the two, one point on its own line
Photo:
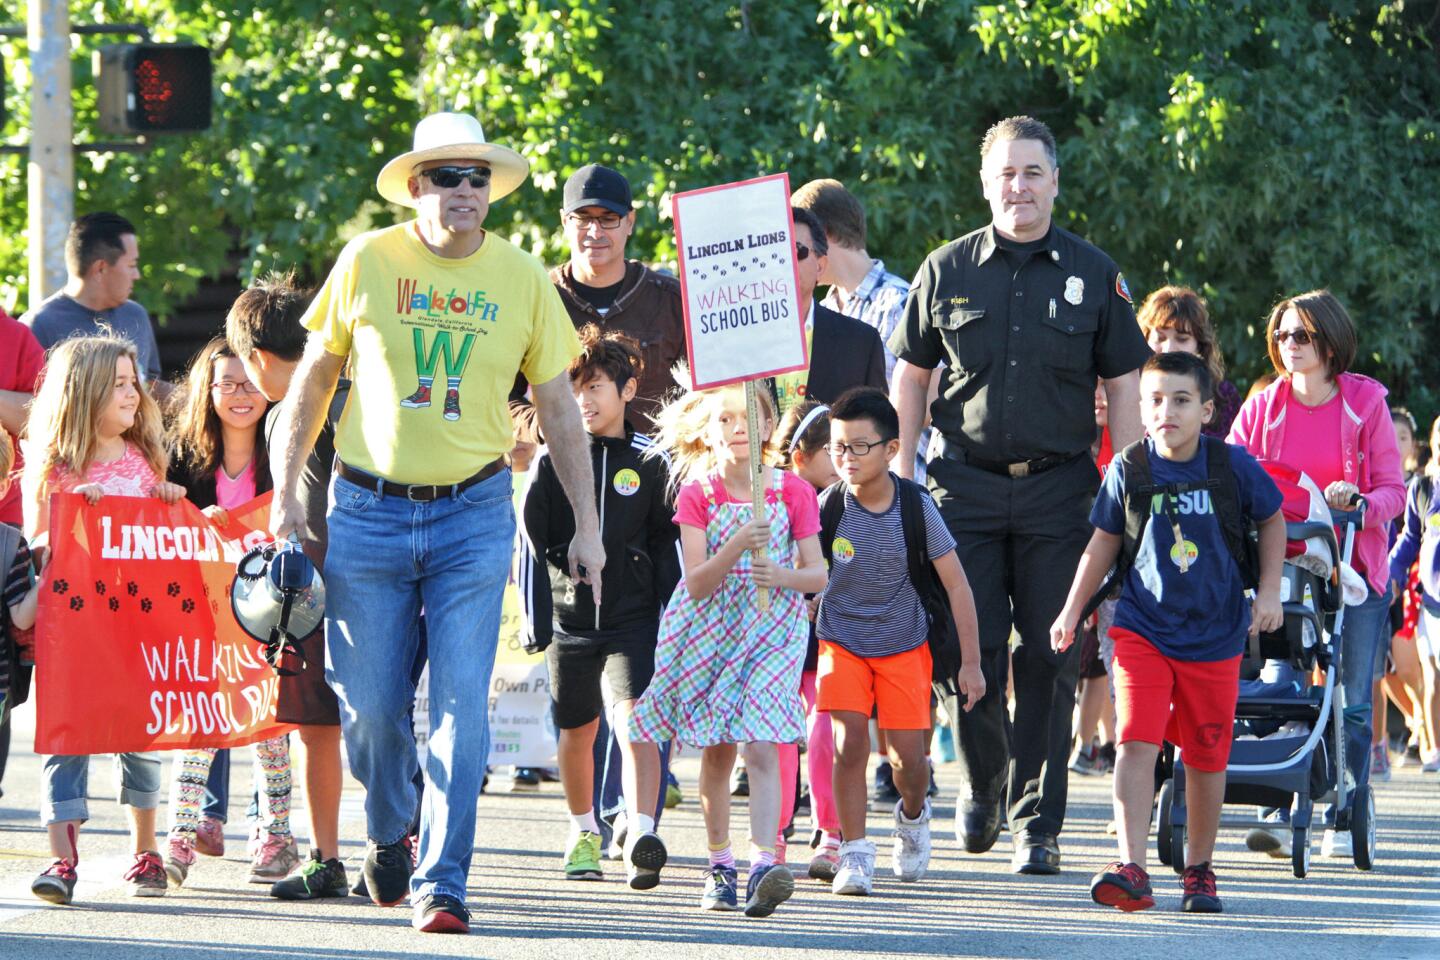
x=1020 y=541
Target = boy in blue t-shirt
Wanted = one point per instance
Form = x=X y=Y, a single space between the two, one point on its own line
x=1180 y=625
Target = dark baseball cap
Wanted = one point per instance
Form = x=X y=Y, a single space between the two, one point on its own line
x=596 y=186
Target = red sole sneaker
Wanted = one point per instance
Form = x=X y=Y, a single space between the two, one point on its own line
x=1112 y=895
x=442 y=922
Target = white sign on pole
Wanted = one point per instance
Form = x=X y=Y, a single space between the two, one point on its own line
x=740 y=281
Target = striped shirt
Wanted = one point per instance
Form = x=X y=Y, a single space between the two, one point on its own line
x=879 y=301
x=869 y=606
x=15 y=583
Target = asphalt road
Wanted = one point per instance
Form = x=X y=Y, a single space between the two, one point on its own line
x=968 y=906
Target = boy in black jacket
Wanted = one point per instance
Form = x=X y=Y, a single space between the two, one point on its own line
x=636 y=526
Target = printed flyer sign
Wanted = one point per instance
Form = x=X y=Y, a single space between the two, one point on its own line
x=740 y=283
x=136 y=646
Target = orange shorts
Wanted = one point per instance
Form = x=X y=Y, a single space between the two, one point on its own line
x=898 y=686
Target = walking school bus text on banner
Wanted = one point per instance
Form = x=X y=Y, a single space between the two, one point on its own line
x=136 y=645
x=740 y=283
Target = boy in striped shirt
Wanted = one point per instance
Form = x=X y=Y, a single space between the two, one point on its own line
x=874 y=632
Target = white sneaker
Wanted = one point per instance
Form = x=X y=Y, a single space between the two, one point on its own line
x=857 y=869
x=1337 y=844
x=910 y=856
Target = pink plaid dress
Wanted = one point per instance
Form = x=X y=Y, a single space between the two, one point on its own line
x=724 y=671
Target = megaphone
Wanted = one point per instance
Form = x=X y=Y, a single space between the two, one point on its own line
x=277 y=597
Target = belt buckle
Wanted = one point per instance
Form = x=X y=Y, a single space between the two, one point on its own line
x=410 y=493
x=1018 y=470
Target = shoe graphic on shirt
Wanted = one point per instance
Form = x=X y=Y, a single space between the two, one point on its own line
x=420 y=398
x=452 y=405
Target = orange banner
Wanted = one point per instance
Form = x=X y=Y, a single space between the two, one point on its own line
x=136 y=646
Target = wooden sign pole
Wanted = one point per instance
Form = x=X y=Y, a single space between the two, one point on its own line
x=757 y=475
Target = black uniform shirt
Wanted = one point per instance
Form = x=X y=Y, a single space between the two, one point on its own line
x=1023 y=345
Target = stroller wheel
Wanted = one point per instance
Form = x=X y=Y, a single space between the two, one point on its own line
x=1300 y=852
x=1162 y=830
x=1362 y=827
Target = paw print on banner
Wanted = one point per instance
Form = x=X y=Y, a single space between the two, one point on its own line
x=132 y=588
x=172 y=589
x=76 y=603
x=114 y=604
x=100 y=587
x=188 y=606
x=145 y=604
x=61 y=587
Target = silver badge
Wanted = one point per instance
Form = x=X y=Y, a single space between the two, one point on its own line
x=1074 y=291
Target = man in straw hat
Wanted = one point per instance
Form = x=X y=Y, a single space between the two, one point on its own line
x=435 y=317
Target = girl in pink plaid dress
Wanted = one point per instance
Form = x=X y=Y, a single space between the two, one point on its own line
x=726 y=673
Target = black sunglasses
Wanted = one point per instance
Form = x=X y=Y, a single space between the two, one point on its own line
x=1301 y=337
x=448 y=178
x=802 y=252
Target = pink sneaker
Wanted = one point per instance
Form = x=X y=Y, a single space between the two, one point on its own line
x=277 y=857
x=179 y=858
x=210 y=838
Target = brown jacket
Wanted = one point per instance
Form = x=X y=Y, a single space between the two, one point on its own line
x=649 y=308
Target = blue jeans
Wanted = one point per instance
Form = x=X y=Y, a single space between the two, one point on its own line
x=387 y=558
x=217 y=788
x=64 y=781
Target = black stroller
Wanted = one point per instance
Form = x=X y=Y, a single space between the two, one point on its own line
x=1307 y=766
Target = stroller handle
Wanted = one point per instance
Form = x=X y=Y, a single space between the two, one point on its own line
x=1355 y=516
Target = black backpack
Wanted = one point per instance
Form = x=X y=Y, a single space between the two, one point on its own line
x=1141 y=492
x=942 y=638
x=14 y=677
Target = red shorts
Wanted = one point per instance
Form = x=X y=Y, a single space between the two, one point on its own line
x=1190 y=703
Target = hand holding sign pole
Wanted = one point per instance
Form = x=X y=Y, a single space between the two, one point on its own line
x=740 y=282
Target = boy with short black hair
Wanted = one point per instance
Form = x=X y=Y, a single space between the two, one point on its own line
x=618 y=636
x=1181 y=620
x=874 y=633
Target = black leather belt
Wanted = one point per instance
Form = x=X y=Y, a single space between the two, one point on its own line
x=1019 y=468
x=416 y=492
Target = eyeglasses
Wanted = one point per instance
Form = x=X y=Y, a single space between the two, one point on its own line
x=448 y=178
x=608 y=221
x=802 y=253
x=1301 y=337
x=857 y=449
x=228 y=387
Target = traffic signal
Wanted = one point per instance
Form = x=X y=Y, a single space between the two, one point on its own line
x=153 y=87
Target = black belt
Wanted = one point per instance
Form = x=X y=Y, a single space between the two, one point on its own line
x=416 y=492
x=1020 y=468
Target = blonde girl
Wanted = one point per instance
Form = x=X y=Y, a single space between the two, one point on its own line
x=94 y=430
x=220 y=459
x=726 y=672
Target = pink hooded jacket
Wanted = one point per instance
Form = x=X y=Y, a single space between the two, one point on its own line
x=1369 y=453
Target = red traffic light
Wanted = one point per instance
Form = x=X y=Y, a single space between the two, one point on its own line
x=154 y=88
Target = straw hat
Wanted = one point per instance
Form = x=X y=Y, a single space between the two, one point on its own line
x=452 y=136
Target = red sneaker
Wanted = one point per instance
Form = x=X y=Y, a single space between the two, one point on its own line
x=420 y=398
x=210 y=837
x=1124 y=886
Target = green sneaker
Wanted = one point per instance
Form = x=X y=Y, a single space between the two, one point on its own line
x=673 y=796
x=317 y=878
x=583 y=861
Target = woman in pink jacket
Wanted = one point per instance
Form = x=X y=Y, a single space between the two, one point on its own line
x=1335 y=426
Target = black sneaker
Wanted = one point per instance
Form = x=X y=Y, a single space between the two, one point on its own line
x=387 y=872
x=1199 y=885
x=644 y=861
x=440 y=913
x=316 y=879
x=524 y=780
x=57 y=883
x=740 y=783
x=885 y=795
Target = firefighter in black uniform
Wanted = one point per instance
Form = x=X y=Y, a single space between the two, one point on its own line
x=1025 y=317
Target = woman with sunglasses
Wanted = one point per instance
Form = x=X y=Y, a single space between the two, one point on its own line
x=1335 y=426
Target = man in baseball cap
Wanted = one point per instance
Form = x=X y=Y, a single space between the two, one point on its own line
x=598 y=285
x=435 y=317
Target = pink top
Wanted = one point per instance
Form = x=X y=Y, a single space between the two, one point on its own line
x=129 y=476
x=800 y=500
x=1313 y=442
x=232 y=493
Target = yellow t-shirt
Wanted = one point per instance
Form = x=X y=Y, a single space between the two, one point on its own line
x=790 y=388
x=434 y=345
